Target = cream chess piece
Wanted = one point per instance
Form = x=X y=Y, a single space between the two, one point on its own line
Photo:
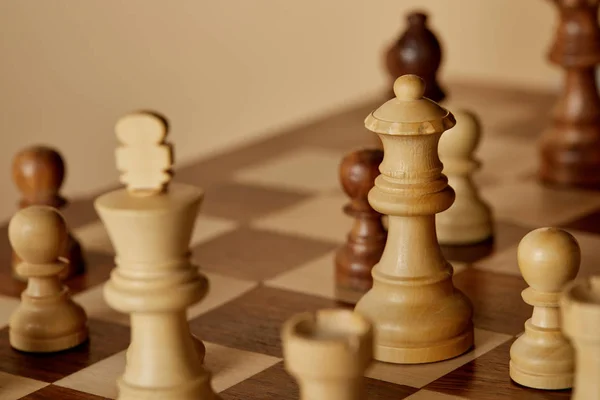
x=328 y=352
x=150 y=223
x=542 y=358
x=580 y=314
x=418 y=314
x=469 y=219
x=47 y=320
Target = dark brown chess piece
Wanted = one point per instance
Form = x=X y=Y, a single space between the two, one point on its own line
x=417 y=51
x=366 y=241
x=39 y=172
x=570 y=147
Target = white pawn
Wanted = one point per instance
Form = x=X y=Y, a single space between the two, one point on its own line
x=47 y=320
x=542 y=358
x=469 y=219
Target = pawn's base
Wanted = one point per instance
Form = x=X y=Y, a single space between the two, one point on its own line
x=432 y=352
x=539 y=381
x=28 y=344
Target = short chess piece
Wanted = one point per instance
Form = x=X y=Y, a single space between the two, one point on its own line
x=469 y=220
x=328 y=352
x=417 y=51
x=47 y=319
x=542 y=358
x=418 y=313
x=39 y=172
x=366 y=240
x=570 y=146
x=150 y=222
x=580 y=315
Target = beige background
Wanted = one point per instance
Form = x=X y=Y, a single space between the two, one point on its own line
x=227 y=72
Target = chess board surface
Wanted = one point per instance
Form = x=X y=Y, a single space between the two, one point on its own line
x=266 y=235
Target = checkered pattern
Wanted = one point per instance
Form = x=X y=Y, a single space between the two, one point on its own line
x=266 y=236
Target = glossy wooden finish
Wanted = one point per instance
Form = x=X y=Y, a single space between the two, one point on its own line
x=366 y=241
x=417 y=51
x=570 y=146
x=38 y=172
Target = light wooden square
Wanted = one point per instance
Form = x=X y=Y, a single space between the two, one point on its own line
x=14 y=387
x=528 y=203
x=228 y=367
x=420 y=375
x=303 y=170
x=208 y=227
x=505 y=159
x=319 y=217
x=222 y=289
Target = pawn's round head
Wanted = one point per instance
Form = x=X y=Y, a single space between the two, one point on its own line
x=38 y=234
x=548 y=259
x=358 y=171
x=461 y=140
x=38 y=171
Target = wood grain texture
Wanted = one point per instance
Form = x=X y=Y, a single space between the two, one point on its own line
x=58 y=392
x=570 y=146
x=253 y=321
x=276 y=384
x=105 y=340
x=486 y=378
x=366 y=241
x=496 y=300
x=247 y=253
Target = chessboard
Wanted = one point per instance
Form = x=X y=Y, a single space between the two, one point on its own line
x=266 y=236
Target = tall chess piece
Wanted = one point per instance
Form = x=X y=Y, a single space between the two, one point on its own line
x=150 y=223
x=39 y=172
x=365 y=242
x=328 y=353
x=570 y=147
x=417 y=51
x=469 y=219
x=580 y=314
x=542 y=358
x=419 y=315
x=47 y=320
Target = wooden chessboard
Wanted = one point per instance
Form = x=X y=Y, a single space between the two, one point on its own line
x=268 y=228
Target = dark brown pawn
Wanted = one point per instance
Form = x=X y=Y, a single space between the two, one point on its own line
x=39 y=172
x=417 y=51
x=366 y=241
x=570 y=147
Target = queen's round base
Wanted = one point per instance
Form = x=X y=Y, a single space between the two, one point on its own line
x=431 y=352
x=539 y=381
x=198 y=388
x=47 y=345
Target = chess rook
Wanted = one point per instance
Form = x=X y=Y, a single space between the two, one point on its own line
x=38 y=173
x=365 y=242
x=570 y=146
x=150 y=223
x=417 y=51
x=328 y=353
x=542 y=357
x=580 y=315
x=469 y=219
x=419 y=316
x=47 y=320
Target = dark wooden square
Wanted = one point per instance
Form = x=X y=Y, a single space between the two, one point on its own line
x=106 y=339
x=253 y=321
x=58 y=392
x=256 y=254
